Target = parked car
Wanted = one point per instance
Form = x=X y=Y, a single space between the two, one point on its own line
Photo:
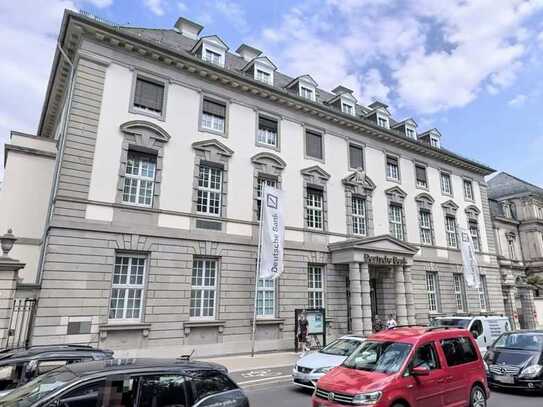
x=18 y=366
x=414 y=366
x=485 y=328
x=130 y=382
x=312 y=366
x=515 y=360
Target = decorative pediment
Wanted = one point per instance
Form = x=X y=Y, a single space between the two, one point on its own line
x=145 y=129
x=316 y=172
x=396 y=192
x=213 y=145
x=384 y=249
x=450 y=207
x=472 y=212
x=359 y=178
x=266 y=158
x=425 y=198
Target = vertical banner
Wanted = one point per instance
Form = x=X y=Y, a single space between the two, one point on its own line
x=469 y=259
x=273 y=233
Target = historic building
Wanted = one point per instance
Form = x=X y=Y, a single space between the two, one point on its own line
x=137 y=202
x=517 y=215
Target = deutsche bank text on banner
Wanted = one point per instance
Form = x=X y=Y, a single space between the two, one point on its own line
x=273 y=233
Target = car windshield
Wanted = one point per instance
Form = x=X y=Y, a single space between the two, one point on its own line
x=37 y=389
x=341 y=347
x=374 y=356
x=456 y=322
x=520 y=341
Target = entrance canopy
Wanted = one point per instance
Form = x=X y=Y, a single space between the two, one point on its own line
x=382 y=250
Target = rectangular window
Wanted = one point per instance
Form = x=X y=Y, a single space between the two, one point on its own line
x=139 y=179
x=426 y=235
x=511 y=243
x=213 y=115
x=396 y=221
x=149 y=95
x=260 y=183
x=359 y=216
x=483 y=293
x=393 y=169
x=450 y=227
x=265 y=300
x=267 y=131
x=315 y=287
x=347 y=108
x=306 y=93
x=314 y=208
x=434 y=142
x=458 y=351
x=459 y=294
x=203 y=288
x=468 y=190
x=422 y=179
x=432 y=291
x=410 y=133
x=213 y=57
x=474 y=232
x=127 y=288
x=209 y=191
x=446 y=186
x=382 y=121
x=313 y=144
x=263 y=76
x=356 y=156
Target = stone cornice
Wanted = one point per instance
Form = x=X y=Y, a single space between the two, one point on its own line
x=27 y=150
x=184 y=61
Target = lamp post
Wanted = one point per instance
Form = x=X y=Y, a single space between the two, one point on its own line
x=6 y=242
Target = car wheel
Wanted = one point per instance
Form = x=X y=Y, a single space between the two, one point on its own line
x=478 y=397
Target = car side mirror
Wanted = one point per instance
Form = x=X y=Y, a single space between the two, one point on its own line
x=420 y=371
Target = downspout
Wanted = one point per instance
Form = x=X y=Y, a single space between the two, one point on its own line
x=61 y=143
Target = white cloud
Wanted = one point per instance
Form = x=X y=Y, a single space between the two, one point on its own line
x=518 y=100
x=182 y=7
x=233 y=13
x=155 y=6
x=101 y=3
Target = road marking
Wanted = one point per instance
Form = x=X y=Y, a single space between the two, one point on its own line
x=265 y=379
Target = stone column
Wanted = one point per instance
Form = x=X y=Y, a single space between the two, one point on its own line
x=409 y=297
x=366 y=299
x=356 y=298
x=509 y=292
x=399 y=284
x=528 y=307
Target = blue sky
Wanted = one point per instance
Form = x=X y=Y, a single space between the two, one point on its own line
x=470 y=68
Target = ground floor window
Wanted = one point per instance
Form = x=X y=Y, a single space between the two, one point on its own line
x=459 y=293
x=315 y=286
x=483 y=293
x=265 y=299
x=432 y=290
x=127 y=288
x=203 y=289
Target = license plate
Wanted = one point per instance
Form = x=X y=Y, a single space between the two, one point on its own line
x=505 y=379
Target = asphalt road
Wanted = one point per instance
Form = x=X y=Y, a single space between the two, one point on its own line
x=272 y=387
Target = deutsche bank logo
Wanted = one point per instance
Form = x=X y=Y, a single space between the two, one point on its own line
x=271 y=201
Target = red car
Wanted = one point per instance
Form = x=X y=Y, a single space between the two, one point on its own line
x=409 y=367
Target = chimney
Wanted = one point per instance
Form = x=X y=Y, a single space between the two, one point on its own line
x=188 y=28
x=247 y=52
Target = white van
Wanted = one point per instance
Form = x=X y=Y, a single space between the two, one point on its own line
x=485 y=328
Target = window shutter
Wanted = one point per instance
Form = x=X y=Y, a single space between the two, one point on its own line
x=149 y=94
x=214 y=108
x=267 y=124
x=356 y=156
x=421 y=173
x=313 y=143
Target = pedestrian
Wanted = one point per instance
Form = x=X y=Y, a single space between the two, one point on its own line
x=391 y=323
x=302 y=332
x=377 y=324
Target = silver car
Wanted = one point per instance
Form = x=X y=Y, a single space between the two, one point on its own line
x=312 y=366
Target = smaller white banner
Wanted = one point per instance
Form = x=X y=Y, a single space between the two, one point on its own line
x=273 y=233
x=469 y=259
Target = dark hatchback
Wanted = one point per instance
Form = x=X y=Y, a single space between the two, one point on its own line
x=18 y=366
x=130 y=382
x=515 y=361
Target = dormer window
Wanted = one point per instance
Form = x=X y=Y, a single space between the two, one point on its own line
x=434 y=141
x=409 y=132
x=382 y=121
x=213 y=57
x=262 y=76
x=211 y=49
x=307 y=93
x=347 y=108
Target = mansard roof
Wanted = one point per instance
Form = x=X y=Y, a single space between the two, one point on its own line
x=504 y=185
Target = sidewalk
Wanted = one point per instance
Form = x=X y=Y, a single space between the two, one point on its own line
x=259 y=361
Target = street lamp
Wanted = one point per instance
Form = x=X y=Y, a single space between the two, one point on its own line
x=6 y=242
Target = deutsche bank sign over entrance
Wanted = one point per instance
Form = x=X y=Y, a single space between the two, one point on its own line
x=385 y=260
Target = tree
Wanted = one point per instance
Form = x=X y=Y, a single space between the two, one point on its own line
x=536 y=281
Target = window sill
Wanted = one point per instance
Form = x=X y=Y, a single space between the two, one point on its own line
x=268 y=146
x=270 y=321
x=144 y=112
x=188 y=325
x=211 y=131
x=423 y=188
x=124 y=326
x=397 y=181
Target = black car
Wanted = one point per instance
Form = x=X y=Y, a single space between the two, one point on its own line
x=515 y=360
x=130 y=383
x=18 y=366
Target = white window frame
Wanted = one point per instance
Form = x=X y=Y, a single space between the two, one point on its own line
x=306 y=92
x=459 y=292
x=452 y=235
x=476 y=238
x=128 y=285
x=315 y=293
x=511 y=244
x=432 y=289
x=411 y=133
x=263 y=75
x=483 y=293
x=315 y=209
x=212 y=122
x=265 y=292
x=468 y=192
x=395 y=215
x=446 y=186
x=259 y=182
x=212 y=56
x=359 y=220
x=426 y=232
x=420 y=185
x=204 y=288
x=382 y=121
x=264 y=136
x=347 y=108
x=434 y=141
x=139 y=179
x=393 y=174
x=361 y=148
x=207 y=191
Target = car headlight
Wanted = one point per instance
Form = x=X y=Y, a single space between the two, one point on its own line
x=366 y=399
x=531 y=372
x=323 y=369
